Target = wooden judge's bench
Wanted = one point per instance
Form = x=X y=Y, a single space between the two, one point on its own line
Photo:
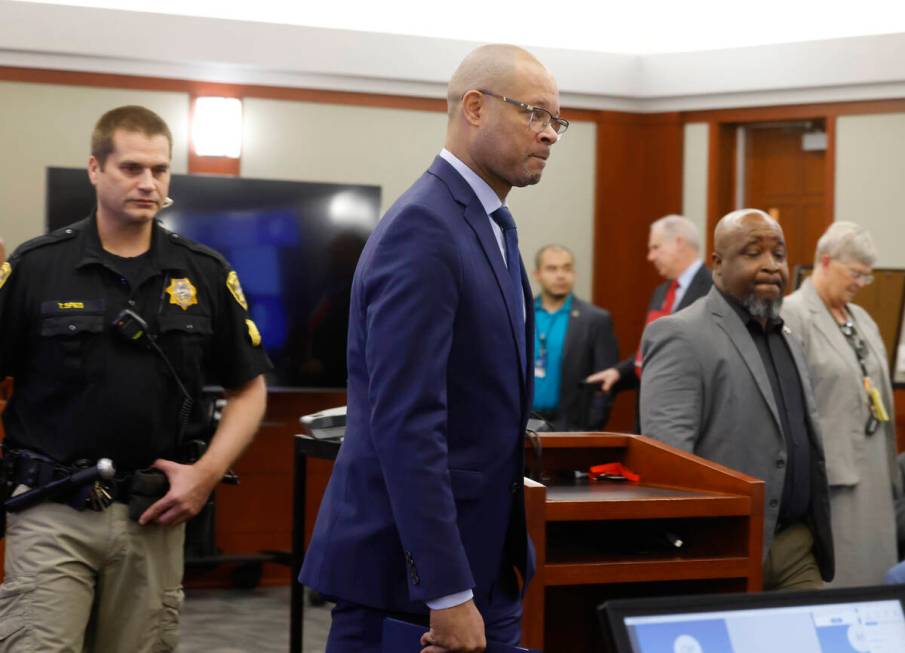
x=687 y=526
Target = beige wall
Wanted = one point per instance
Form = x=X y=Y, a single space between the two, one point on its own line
x=694 y=180
x=50 y=125
x=870 y=171
x=390 y=148
x=45 y=125
x=560 y=209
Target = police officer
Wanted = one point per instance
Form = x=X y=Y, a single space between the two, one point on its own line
x=92 y=381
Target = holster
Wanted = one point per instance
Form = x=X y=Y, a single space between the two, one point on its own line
x=147 y=486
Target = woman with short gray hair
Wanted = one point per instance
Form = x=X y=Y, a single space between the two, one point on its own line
x=852 y=388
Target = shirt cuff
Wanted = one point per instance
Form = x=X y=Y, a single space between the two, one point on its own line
x=450 y=600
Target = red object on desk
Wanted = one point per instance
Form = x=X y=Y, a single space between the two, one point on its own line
x=613 y=470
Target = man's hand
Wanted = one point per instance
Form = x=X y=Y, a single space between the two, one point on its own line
x=190 y=486
x=459 y=629
x=608 y=378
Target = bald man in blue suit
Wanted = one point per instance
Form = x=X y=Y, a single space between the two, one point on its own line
x=423 y=517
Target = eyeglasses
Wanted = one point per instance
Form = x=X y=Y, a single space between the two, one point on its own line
x=864 y=278
x=540 y=117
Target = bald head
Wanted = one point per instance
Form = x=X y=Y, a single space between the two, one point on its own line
x=733 y=225
x=490 y=67
x=503 y=116
x=749 y=261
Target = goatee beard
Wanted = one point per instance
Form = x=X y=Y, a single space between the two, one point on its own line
x=762 y=309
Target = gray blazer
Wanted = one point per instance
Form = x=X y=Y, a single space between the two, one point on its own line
x=705 y=390
x=841 y=396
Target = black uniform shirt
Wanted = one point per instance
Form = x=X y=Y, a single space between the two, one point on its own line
x=82 y=390
x=790 y=402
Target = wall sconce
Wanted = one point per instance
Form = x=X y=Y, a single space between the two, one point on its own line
x=217 y=127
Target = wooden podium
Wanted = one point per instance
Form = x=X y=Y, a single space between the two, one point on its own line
x=688 y=526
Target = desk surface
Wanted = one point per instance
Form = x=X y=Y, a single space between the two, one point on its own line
x=587 y=490
x=583 y=499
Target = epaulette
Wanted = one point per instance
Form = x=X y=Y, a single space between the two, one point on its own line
x=57 y=236
x=198 y=248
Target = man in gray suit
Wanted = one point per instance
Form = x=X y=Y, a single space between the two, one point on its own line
x=723 y=379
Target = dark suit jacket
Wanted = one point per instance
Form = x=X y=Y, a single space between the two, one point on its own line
x=590 y=346
x=699 y=286
x=426 y=497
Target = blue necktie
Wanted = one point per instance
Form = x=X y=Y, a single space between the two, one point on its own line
x=504 y=219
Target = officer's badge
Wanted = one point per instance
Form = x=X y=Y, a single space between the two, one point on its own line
x=5 y=270
x=182 y=293
x=235 y=288
x=253 y=334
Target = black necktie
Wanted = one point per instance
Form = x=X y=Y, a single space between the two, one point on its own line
x=503 y=218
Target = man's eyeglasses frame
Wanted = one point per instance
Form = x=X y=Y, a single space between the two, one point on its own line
x=560 y=125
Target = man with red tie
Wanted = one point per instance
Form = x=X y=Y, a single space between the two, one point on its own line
x=674 y=248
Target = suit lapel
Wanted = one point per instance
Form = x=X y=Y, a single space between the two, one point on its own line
x=803 y=376
x=479 y=222
x=528 y=358
x=573 y=325
x=696 y=289
x=729 y=321
x=827 y=327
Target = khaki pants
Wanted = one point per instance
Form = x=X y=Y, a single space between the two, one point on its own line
x=89 y=581
x=790 y=563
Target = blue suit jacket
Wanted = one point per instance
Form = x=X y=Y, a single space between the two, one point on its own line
x=426 y=497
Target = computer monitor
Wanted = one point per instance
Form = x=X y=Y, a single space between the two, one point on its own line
x=854 y=620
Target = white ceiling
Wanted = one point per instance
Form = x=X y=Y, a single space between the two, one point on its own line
x=591 y=51
x=622 y=27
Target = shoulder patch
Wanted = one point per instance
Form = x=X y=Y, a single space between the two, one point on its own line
x=253 y=334
x=5 y=270
x=235 y=289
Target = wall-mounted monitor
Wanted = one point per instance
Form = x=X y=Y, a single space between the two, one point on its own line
x=295 y=246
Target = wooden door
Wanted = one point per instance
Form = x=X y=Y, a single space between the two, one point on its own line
x=790 y=184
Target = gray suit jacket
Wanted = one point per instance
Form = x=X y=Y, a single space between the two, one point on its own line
x=844 y=412
x=705 y=390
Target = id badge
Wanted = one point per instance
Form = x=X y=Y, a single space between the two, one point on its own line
x=540 y=367
x=876 y=403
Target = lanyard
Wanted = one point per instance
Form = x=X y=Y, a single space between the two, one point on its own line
x=542 y=335
x=875 y=403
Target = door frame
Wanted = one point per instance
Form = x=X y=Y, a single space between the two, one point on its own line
x=722 y=179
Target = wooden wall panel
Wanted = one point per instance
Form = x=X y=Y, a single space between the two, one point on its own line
x=639 y=179
x=720 y=173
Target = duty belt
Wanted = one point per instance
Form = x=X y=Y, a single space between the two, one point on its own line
x=35 y=470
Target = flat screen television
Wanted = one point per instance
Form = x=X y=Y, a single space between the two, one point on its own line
x=294 y=245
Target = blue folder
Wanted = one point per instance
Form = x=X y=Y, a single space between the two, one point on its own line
x=403 y=637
